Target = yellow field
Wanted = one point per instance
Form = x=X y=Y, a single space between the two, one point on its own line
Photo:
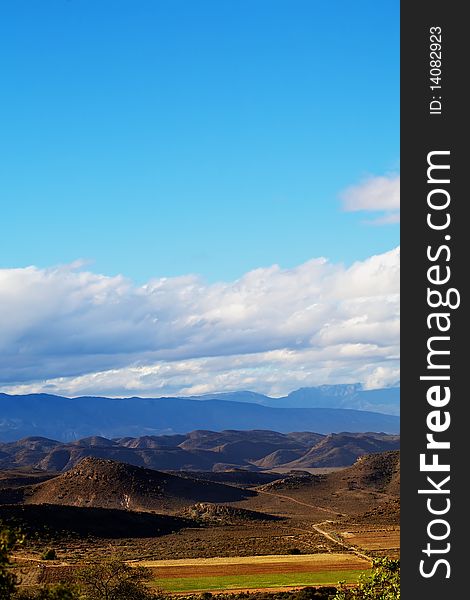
x=323 y=559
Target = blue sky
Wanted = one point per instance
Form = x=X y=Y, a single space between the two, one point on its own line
x=166 y=137
x=171 y=173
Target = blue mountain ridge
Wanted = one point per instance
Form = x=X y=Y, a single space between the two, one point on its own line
x=384 y=400
x=66 y=419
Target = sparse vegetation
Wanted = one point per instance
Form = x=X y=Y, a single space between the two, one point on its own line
x=203 y=538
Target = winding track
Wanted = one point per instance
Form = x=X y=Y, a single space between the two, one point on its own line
x=328 y=536
x=316 y=526
x=327 y=510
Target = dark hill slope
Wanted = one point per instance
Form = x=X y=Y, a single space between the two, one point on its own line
x=52 y=520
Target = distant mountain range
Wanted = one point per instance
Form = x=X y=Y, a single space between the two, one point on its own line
x=326 y=409
x=385 y=400
x=226 y=453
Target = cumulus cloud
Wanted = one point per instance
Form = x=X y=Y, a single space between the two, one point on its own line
x=375 y=194
x=66 y=330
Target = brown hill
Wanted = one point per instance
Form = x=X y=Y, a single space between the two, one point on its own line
x=372 y=481
x=236 y=448
x=380 y=472
x=104 y=483
x=343 y=449
x=199 y=451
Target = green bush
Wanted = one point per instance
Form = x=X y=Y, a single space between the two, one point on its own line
x=382 y=584
x=49 y=554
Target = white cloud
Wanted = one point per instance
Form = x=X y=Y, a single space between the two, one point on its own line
x=382 y=376
x=69 y=331
x=375 y=194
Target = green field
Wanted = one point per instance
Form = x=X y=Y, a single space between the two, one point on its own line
x=246 y=582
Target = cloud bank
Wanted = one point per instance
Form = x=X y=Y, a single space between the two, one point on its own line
x=65 y=330
x=376 y=194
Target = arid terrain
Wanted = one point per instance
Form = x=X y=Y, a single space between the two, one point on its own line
x=239 y=528
x=201 y=450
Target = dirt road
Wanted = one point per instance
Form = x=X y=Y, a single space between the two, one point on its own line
x=338 y=541
x=316 y=507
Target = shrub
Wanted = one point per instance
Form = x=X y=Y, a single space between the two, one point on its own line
x=49 y=554
x=382 y=584
x=114 y=580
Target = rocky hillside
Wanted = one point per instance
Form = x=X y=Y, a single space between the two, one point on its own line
x=372 y=482
x=103 y=483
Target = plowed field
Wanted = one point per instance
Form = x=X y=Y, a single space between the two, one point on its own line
x=255 y=572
